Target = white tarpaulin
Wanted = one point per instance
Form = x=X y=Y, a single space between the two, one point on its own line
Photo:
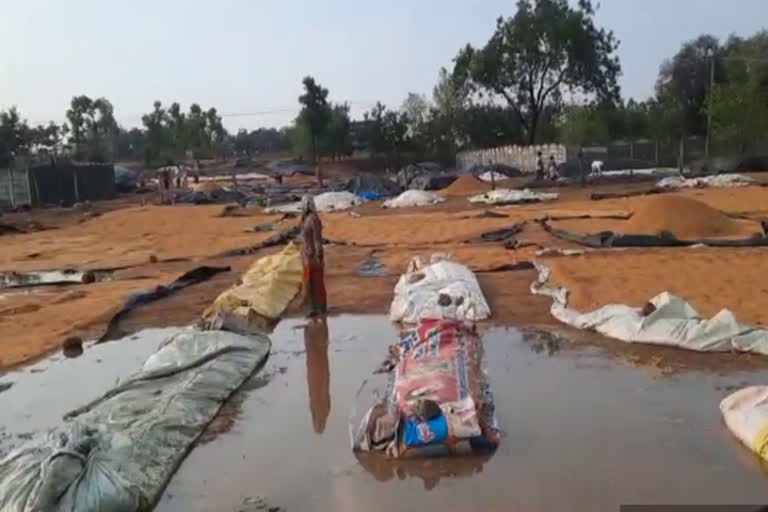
x=674 y=322
x=325 y=202
x=719 y=180
x=489 y=176
x=443 y=289
x=411 y=198
x=512 y=196
x=746 y=414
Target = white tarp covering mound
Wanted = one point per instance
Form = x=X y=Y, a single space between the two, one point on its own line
x=325 y=202
x=411 y=198
x=118 y=453
x=719 y=180
x=489 y=176
x=512 y=196
x=746 y=414
x=673 y=322
x=443 y=289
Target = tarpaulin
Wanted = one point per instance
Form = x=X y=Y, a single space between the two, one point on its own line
x=439 y=362
x=411 y=198
x=512 y=196
x=267 y=288
x=670 y=321
x=442 y=289
x=325 y=202
x=718 y=180
x=746 y=414
x=118 y=453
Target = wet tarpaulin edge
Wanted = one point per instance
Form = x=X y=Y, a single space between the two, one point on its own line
x=281 y=238
x=189 y=278
x=605 y=239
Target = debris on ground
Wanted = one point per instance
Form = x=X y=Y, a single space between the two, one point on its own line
x=72 y=346
x=371 y=266
x=372 y=187
x=429 y=411
x=413 y=198
x=512 y=196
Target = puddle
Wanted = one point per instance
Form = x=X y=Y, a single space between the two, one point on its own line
x=43 y=392
x=371 y=266
x=47 y=277
x=582 y=432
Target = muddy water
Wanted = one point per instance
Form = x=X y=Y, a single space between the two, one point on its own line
x=582 y=432
x=41 y=393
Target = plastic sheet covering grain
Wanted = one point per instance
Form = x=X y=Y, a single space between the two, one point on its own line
x=118 y=453
x=412 y=198
x=267 y=288
x=511 y=196
x=671 y=321
x=439 y=362
x=745 y=413
x=442 y=289
x=611 y=239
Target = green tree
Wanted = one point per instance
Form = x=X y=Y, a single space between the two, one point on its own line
x=546 y=49
x=685 y=79
x=336 y=140
x=15 y=136
x=315 y=116
x=93 y=128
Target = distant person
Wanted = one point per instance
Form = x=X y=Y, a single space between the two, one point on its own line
x=552 y=172
x=539 y=167
x=597 y=168
x=312 y=257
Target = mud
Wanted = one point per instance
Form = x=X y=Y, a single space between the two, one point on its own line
x=582 y=432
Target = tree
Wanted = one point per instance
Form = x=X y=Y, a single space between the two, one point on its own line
x=546 y=49
x=157 y=138
x=336 y=141
x=93 y=128
x=416 y=109
x=15 y=136
x=315 y=115
x=739 y=107
x=685 y=79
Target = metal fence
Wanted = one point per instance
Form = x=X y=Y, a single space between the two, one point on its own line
x=14 y=188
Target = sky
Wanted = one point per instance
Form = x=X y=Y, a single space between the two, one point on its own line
x=249 y=56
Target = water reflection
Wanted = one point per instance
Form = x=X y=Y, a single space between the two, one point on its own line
x=318 y=372
x=429 y=470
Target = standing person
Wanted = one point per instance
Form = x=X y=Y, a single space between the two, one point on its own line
x=312 y=257
x=162 y=184
x=552 y=171
x=539 y=167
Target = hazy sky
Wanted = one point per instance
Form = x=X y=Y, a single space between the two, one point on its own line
x=248 y=56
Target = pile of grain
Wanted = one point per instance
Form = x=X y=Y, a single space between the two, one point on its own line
x=465 y=185
x=686 y=219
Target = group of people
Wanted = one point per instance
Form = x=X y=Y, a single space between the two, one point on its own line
x=552 y=172
x=170 y=176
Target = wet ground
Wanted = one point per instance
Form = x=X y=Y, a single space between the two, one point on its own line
x=582 y=430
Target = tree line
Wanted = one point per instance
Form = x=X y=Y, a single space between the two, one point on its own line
x=547 y=73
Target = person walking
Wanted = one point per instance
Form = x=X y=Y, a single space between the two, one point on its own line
x=312 y=257
x=539 y=167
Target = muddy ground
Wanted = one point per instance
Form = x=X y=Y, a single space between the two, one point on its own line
x=588 y=421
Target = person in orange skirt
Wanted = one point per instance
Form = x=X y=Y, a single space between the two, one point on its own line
x=312 y=257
